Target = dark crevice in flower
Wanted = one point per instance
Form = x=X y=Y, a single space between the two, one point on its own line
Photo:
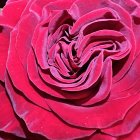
x=98 y=131
x=8 y=136
x=85 y=66
x=117 y=65
x=109 y=15
x=30 y=135
x=1 y=29
x=2 y=3
x=67 y=37
x=102 y=25
x=66 y=94
x=136 y=20
x=1 y=84
x=61 y=18
x=94 y=89
x=74 y=52
x=48 y=96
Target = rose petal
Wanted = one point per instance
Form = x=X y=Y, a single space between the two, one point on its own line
x=130 y=82
x=123 y=14
x=60 y=5
x=128 y=5
x=4 y=45
x=8 y=11
x=135 y=135
x=93 y=76
x=47 y=88
x=59 y=19
x=37 y=6
x=8 y=120
x=101 y=136
x=27 y=24
x=46 y=124
x=136 y=27
x=39 y=42
x=105 y=86
x=34 y=77
x=125 y=126
x=90 y=17
x=97 y=116
x=18 y=75
x=79 y=7
x=75 y=86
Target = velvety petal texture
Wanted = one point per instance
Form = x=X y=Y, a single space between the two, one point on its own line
x=9 y=122
x=70 y=70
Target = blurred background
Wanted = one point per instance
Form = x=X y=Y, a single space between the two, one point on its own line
x=2 y=3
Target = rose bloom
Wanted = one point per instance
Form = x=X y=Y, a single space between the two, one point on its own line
x=70 y=70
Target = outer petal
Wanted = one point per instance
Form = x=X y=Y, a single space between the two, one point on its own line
x=96 y=116
x=4 y=45
x=19 y=77
x=135 y=135
x=42 y=121
x=100 y=136
x=126 y=126
x=21 y=40
x=8 y=136
x=130 y=82
x=12 y=9
x=8 y=120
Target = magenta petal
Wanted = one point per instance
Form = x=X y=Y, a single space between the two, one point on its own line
x=130 y=82
x=123 y=14
x=79 y=7
x=94 y=117
x=105 y=86
x=43 y=122
x=4 y=45
x=128 y=5
x=19 y=76
x=94 y=74
x=36 y=79
x=39 y=43
x=90 y=17
x=101 y=136
x=135 y=135
x=70 y=69
x=59 y=5
x=22 y=36
x=8 y=11
x=126 y=126
x=136 y=27
x=37 y=6
x=8 y=120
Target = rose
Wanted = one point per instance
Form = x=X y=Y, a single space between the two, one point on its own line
x=70 y=69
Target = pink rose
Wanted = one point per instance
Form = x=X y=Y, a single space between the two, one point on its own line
x=70 y=69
